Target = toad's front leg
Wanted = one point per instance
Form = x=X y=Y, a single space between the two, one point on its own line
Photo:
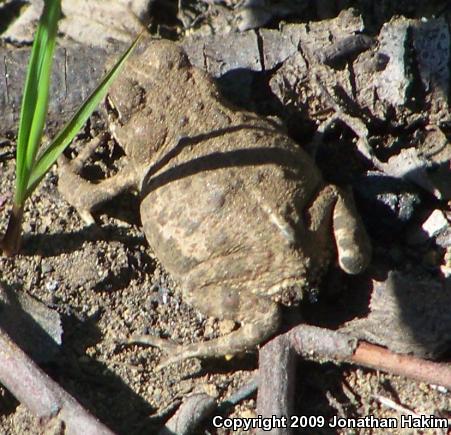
x=85 y=196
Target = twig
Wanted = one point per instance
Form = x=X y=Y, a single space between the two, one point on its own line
x=379 y=358
x=333 y=345
x=165 y=411
x=277 y=372
x=242 y=393
x=198 y=407
x=276 y=381
x=334 y=403
x=41 y=395
x=385 y=401
x=193 y=410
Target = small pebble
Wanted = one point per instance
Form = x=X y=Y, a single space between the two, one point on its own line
x=163 y=292
x=46 y=268
x=440 y=388
x=226 y=326
x=52 y=286
x=435 y=223
x=209 y=329
x=211 y=390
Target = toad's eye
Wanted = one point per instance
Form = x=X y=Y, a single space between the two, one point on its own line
x=164 y=56
x=125 y=99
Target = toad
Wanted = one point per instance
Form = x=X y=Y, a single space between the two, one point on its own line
x=233 y=208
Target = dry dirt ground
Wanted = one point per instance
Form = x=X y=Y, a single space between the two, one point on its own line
x=106 y=284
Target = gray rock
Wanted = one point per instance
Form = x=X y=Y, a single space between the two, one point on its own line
x=391 y=202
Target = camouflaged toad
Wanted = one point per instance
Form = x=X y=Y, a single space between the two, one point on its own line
x=233 y=208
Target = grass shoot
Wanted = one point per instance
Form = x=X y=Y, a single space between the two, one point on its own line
x=32 y=159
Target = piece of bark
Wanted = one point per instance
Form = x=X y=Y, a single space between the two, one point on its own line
x=408 y=314
x=77 y=70
x=431 y=41
x=393 y=82
x=294 y=83
x=417 y=73
x=43 y=396
x=394 y=76
x=277 y=380
x=278 y=45
x=345 y=49
x=220 y=54
x=34 y=327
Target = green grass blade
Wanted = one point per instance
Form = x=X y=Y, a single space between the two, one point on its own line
x=67 y=134
x=35 y=96
x=28 y=103
x=40 y=114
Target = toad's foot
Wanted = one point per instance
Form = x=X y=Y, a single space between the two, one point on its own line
x=246 y=338
x=85 y=196
x=174 y=351
x=353 y=244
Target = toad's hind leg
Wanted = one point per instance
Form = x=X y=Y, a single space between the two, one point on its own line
x=85 y=196
x=259 y=320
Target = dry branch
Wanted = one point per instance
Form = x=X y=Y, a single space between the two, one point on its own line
x=377 y=357
x=193 y=410
x=43 y=396
x=277 y=372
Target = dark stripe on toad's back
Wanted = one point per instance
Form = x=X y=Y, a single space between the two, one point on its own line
x=220 y=160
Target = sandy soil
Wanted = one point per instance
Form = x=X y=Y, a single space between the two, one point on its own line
x=106 y=284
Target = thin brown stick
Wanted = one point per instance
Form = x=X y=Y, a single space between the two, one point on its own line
x=41 y=395
x=385 y=401
x=277 y=373
x=323 y=343
x=377 y=357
